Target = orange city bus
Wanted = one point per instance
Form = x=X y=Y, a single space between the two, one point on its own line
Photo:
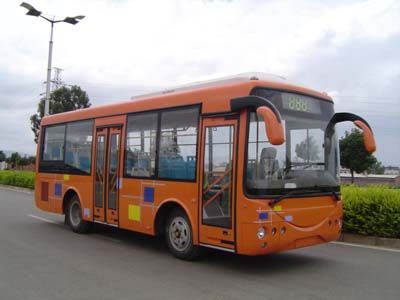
x=248 y=164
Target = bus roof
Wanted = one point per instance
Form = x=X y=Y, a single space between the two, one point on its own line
x=213 y=95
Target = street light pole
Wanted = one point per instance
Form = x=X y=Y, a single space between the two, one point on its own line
x=71 y=20
x=47 y=100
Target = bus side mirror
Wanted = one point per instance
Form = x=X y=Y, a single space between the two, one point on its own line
x=273 y=125
x=271 y=116
x=368 y=136
x=369 y=140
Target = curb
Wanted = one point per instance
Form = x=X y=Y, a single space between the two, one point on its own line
x=16 y=188
x=369 y=240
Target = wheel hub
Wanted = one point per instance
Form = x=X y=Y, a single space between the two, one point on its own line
x=75 y=214
x=179 y=234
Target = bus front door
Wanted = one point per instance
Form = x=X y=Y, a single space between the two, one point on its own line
x=218 y=161
x=106 y=185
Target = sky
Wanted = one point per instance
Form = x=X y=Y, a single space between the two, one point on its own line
x=349 y=49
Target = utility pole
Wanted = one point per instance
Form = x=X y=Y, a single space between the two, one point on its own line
x=57 y=82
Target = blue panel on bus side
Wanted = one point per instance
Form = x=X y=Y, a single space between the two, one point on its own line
x=57 y=189
x=148 y=194
x=263 y=216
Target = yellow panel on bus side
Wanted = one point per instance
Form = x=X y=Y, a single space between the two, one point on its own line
x=140 y=200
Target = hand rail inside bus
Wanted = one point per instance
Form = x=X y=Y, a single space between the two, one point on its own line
x=215 y=182
x=215 y=197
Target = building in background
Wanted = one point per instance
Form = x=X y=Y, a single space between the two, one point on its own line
x=392 y=170
x=3 y=165
x=370 y=179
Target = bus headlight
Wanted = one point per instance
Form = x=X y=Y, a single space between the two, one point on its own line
x=261 y=233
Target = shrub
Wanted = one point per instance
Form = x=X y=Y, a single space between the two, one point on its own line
x=23 y=179
x=372 y=210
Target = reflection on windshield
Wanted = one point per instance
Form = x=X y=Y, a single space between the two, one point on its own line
x=301 y=163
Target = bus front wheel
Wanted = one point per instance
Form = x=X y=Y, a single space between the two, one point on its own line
x=73 y=216
x=179 y=237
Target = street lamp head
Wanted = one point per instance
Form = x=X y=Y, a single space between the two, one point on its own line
x=31 y=10
x=80 y=17
x=73 y=20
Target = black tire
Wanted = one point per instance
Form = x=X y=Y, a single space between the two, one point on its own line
x=179 y=236
x=73 y=216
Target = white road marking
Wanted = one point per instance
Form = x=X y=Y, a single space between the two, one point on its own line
x=16 y=189
x=54 y=222
x=367 y=247
x=42 y=219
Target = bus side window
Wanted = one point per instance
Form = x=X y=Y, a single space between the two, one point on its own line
x=178 y=143
x=141 y=145
x=79 y=145
x=53 y=147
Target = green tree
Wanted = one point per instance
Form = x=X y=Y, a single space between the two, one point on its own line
x=307 y=149
x=353 y=154
x=61 y=100
x=377 y=168
x=24 y=161
x=14 y=160
x=31 y=160
x=2 y=156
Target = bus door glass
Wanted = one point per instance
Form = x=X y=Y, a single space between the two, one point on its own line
x=217 y=182
x=106 y=186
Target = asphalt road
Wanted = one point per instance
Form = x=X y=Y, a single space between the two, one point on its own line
x=40 y=258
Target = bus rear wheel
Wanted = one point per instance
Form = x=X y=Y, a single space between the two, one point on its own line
x=73 y=216
x=179 y=237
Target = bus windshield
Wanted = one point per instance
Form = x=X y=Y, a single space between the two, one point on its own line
x=303 y=162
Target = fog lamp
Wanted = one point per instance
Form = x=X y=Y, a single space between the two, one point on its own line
x=283 y=230
x=261 y=233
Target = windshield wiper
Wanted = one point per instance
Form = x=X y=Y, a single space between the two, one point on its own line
x=287 y=195
x=335 y=194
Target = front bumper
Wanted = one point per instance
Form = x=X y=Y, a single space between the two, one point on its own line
x=282 y=236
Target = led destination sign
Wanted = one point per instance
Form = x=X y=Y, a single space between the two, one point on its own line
x=300 y=103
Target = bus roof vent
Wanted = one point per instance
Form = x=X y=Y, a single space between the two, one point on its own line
x=215 y=82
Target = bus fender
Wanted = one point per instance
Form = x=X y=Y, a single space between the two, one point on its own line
x=70 y=190
x=177 y=202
